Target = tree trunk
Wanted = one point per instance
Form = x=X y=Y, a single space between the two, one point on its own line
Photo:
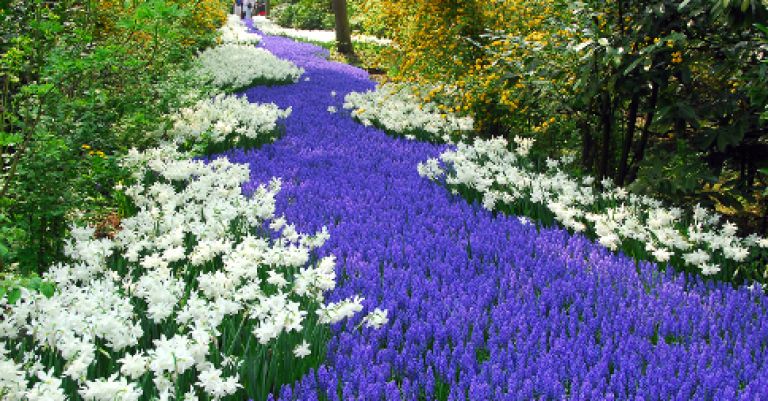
x=628 y=138
x=587 y=145
x=343 y=34
x=606 y=121
x=639 y=153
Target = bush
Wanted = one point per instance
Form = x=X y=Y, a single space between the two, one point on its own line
x=368 y=17
x=305 y=14
x=283 y=14
x=610 y=82
x=103 y=77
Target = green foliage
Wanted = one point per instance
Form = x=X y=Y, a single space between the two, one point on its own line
x=675 y=175
x=618 y=84
x=635 y=76
x=10 y=235
x=13 y=286
x=304 y=14
x=740 y=12
x=365 y=16
x=206 y=146
x=759 y=94
x=71 y=76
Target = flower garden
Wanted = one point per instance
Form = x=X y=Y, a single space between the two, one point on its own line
x=290 y=229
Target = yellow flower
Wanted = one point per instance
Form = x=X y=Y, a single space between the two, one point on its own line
x=85 y=147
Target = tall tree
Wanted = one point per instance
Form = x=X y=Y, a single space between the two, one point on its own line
x=343 y=34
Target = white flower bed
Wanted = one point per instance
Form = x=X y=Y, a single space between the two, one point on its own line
x=226 y=122
x=234 y=67
x=236 y=32
x=179 y=300
x=319 y=36
x=395 y=108
x=640 y=225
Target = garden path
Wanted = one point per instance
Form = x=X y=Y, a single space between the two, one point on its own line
x=484 y=306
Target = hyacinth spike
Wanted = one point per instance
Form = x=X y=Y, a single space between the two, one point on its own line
x=529 y=313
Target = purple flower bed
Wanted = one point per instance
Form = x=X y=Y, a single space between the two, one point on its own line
x=483 y=307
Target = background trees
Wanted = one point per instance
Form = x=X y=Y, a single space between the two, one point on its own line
x=665 y=96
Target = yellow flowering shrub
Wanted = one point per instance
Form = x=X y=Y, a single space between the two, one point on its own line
x=624 y=84
x=205 y=15
x=453 y=42
x=200 y=18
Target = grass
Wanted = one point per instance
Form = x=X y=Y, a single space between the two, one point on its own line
x=373 y=58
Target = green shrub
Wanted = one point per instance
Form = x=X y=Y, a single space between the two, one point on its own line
x=304 y=14
x=283 y=14
x=72 y=77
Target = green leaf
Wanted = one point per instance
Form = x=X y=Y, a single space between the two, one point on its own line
x=105 y=353
x=48 y=27
x=688 y=113
x=633 y=65
x=14 y=295
x=33 y=283
x=36 y=89
x=7 y=139
x=47 y=289
x=727 y=136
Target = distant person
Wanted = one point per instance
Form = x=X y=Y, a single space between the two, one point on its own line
x=238 y=8
x=248 y=9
